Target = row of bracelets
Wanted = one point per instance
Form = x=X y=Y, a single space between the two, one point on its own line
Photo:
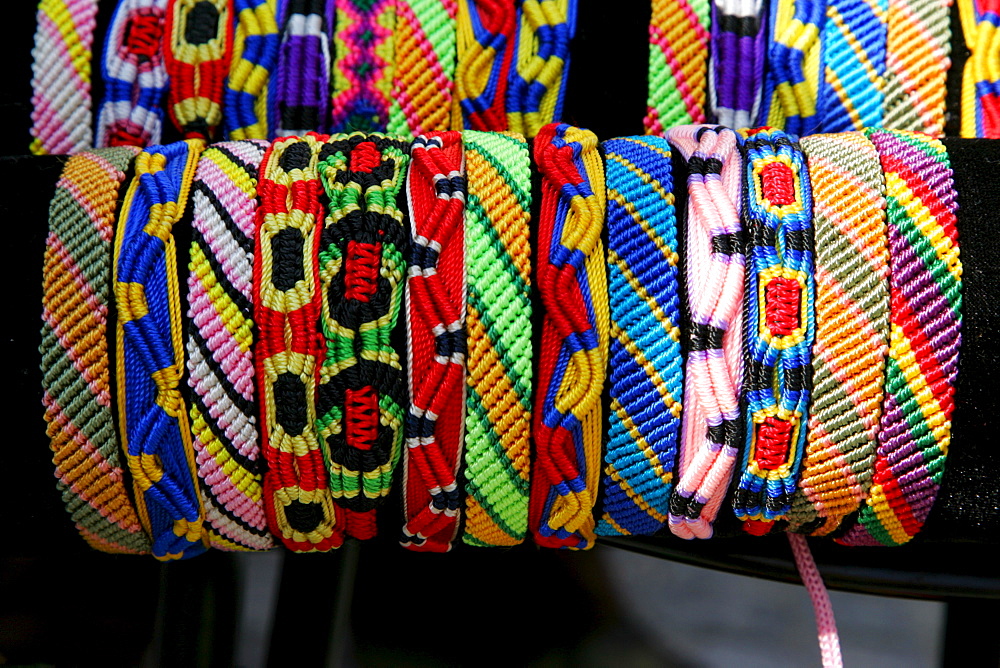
x=260 y=69
x=364 y=311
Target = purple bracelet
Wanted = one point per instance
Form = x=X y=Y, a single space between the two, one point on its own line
x=302 y=79
x=736 y=63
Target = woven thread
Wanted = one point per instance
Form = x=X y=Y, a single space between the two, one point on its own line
x=852 y=329
x=363 y=68
x=60 y=76
x=980 y=107
x=155 y=431
x=300 y=98
x=486 y=34
x=76 y=381
x=135 y=78
x=223 y=409
x=736 y=62
x=500 y=356
x=645 y=350
x=715 y=273
x=794 y=66
x=426 y=50
x=573 y=356
x=361 y=398
x=678 y=54
x=255 y=57
x=925 y=292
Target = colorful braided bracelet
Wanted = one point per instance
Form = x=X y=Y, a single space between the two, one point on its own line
x=361 y=398
x=255 y=56
x=60 y=76
x=540 y=64
x=779 y=325
x=498 y=400
x=426 y=51
x=925 y=319
x=156 y=435
x=916 y=65
x=198 y=40
x=678 y=54
x=363 y=68
x=794 y=66
x=852 y=329
x=645 y=349
x=981 y=78
x=486 y=34
x=297 y=497
x=854 y=37
x=135 y=79
x=220 y=335
x=299 y=100
x=76 y=381
x=736 y=62
x=714 y=269
x=435 y=326
x=573 y=356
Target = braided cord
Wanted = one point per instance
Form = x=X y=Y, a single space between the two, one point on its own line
x=300 y=98
x=794 y=66
x=736 y=62
x=297 y=498
x=678 y=52
x=197 y=46
x=220 y=334
x=76 y=381
x=135 y=78
x=155 y=431
x=916 y=65
x=852 y=329
x=426 y=49
x=779 y=324
x=574 y=350
x=435 y=325
x=645 y=349
x=363 y=68
x=486 y=33
x=361 y=399
x=60 y=76
x=925 y=292
x=498 y=401
x=537 y=85
x=854 y=37
x=714 y=269
x=255 y=56
x=981 y=77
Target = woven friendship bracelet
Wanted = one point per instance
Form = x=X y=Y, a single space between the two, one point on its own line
x=925 y=288
x=297 y=498
x=736 y=63
x=779 y=325
x=540 y=64
x=426 y=48
x=714 y=268
x=198 y=41
x=854 y=37
x=678 y=51
x=574 y=348
x=916 y=65
x=220 y=335
x=498 y=402
x=981 y=78
x=156 y=434
x=645 y=348
x=852 y=329
x=486 y=33
x=76 y=381
x=60 y=76
x=134 y=75
x=361 y=399
x=363 y=68
x=255 y=56
x=435 y=326
x=794 y=66
x=300 y=98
